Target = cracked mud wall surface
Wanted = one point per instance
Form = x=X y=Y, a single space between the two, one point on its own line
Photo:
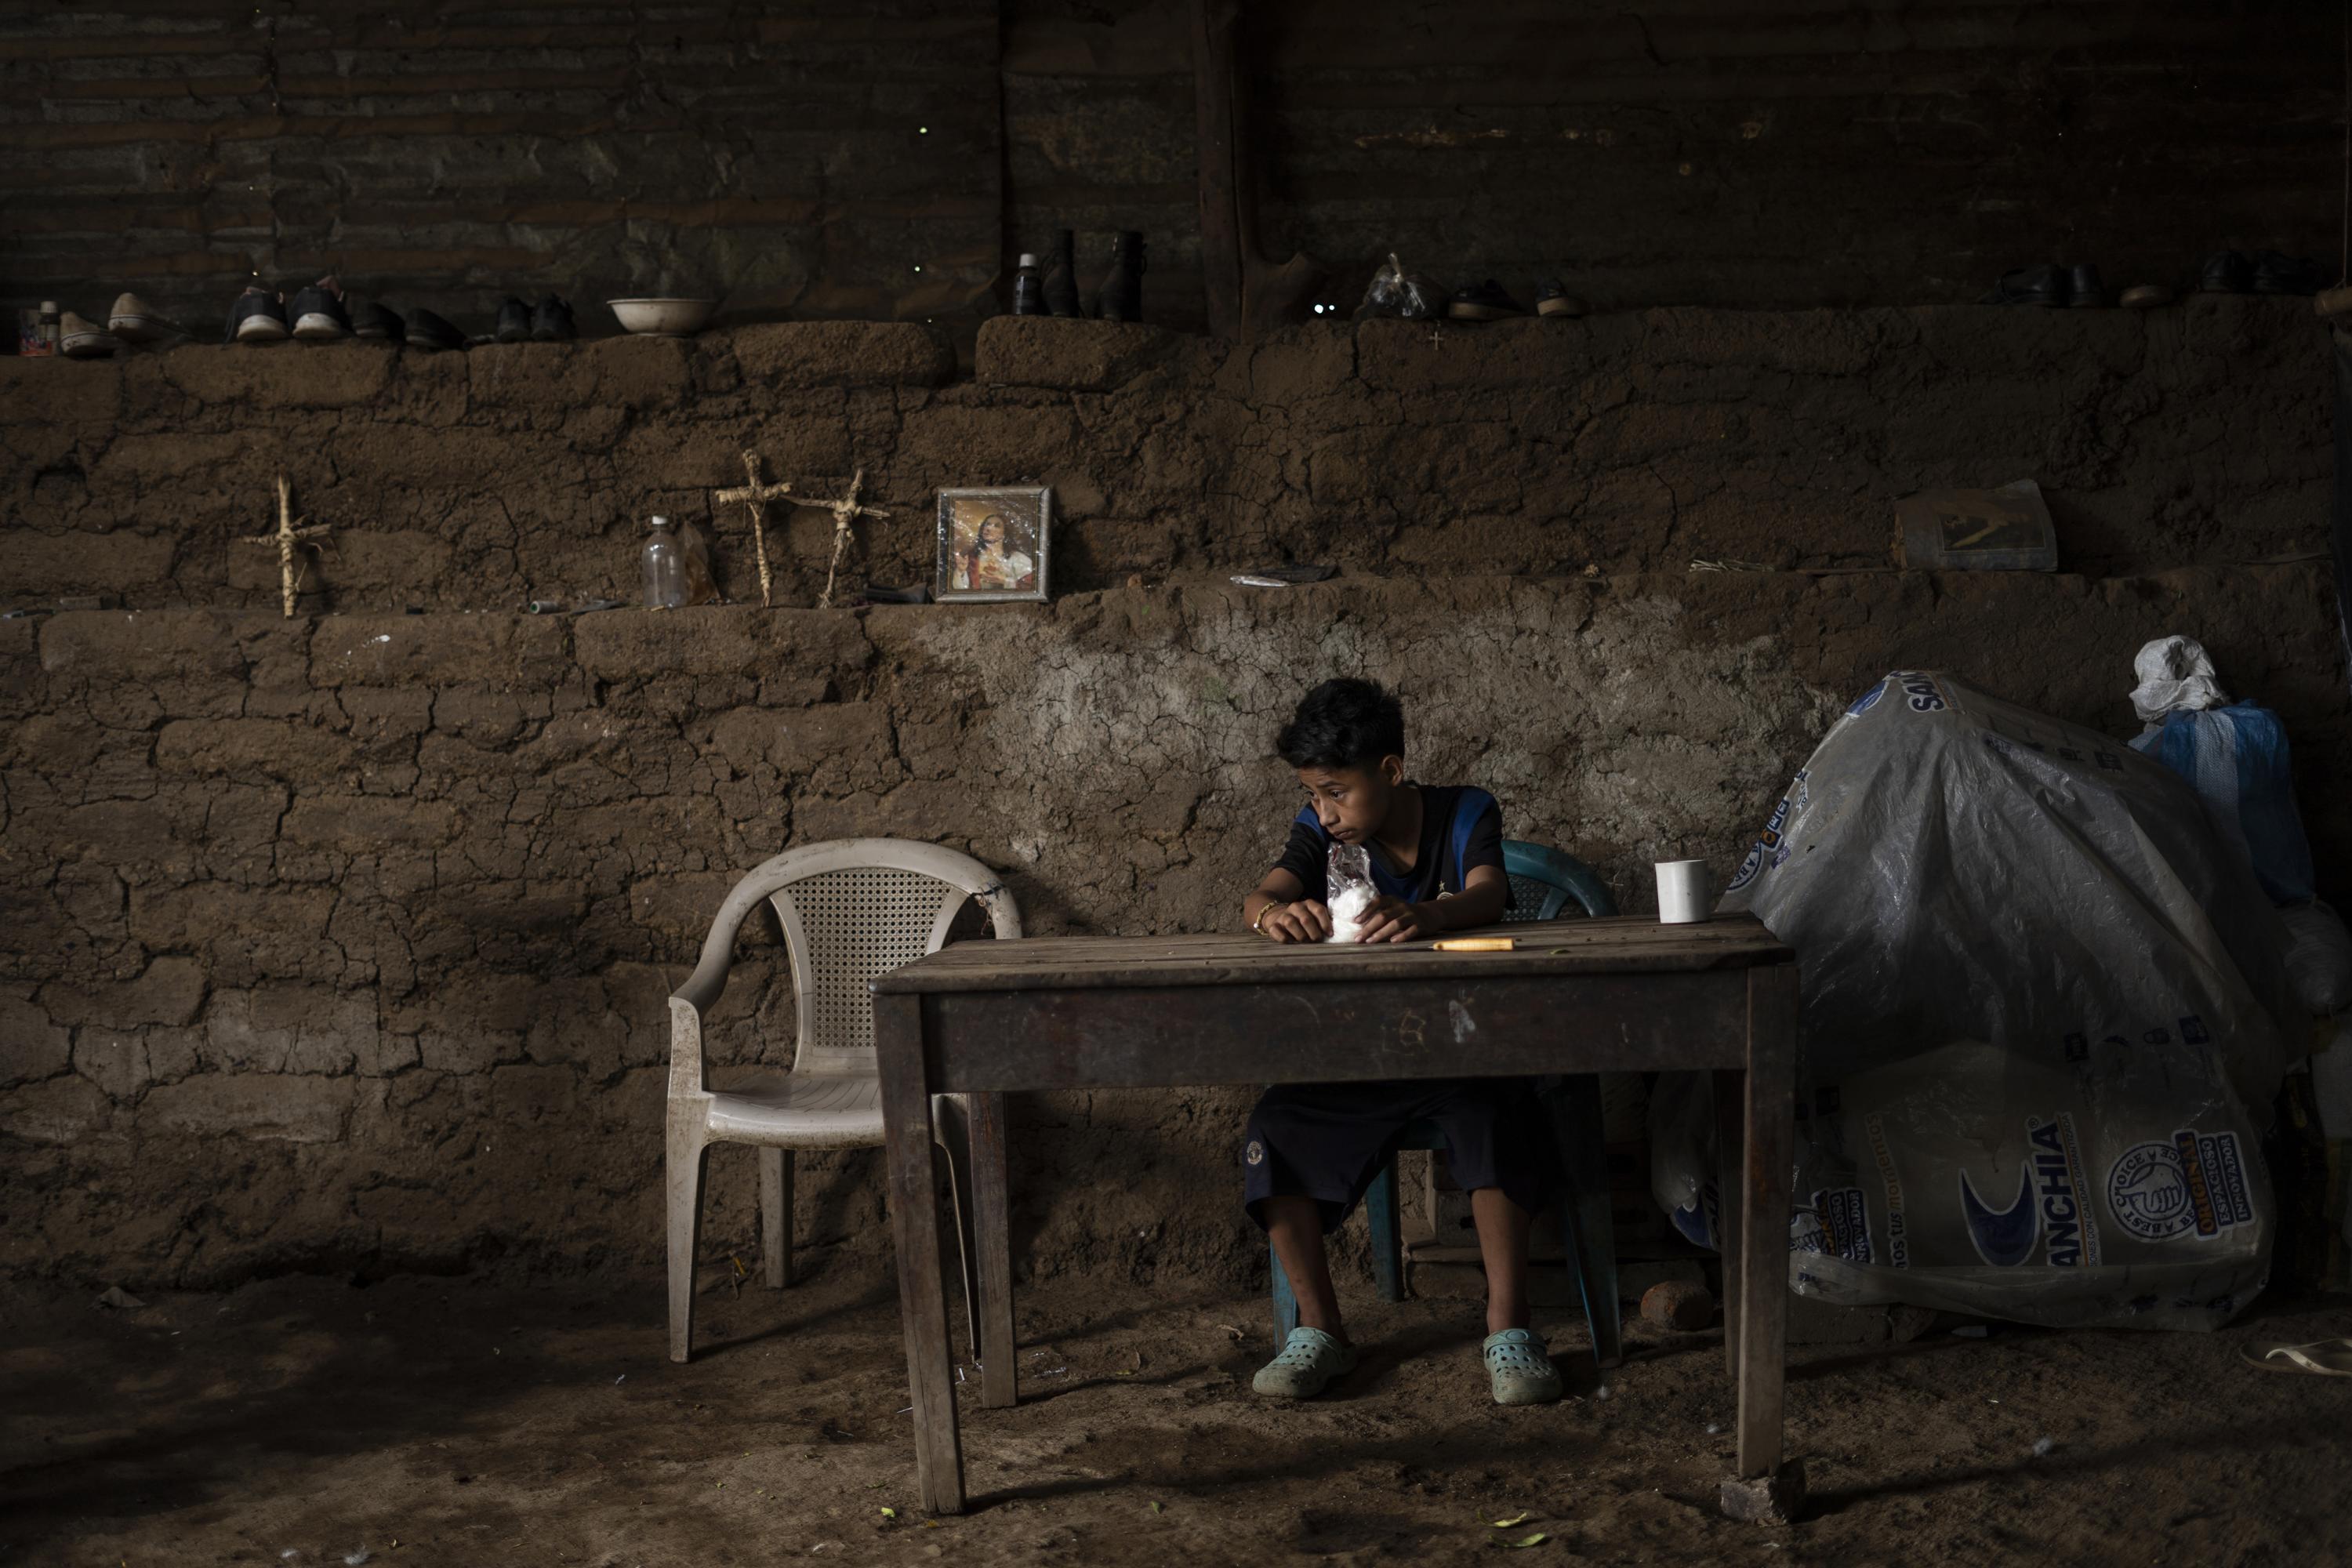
x=1631 y=442
x=342 y=942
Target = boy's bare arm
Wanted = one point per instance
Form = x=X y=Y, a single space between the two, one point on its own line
x=1277 y=911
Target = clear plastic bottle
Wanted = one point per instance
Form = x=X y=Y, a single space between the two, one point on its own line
x=665 y=567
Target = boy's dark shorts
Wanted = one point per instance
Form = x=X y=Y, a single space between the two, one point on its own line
x=1327 y=1141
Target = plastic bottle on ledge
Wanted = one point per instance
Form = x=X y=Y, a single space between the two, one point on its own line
x=665 y=567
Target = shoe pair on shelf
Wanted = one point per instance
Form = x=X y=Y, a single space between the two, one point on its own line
x=315 y=315
x=1489 y=301
x=318 y=314
x=2269 y=272
x=548 y=322
x=2054 y=287
x=133 y=320
x=2224 y=273
x=375 y=323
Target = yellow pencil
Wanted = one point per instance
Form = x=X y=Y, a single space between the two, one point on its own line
x=1476 y=944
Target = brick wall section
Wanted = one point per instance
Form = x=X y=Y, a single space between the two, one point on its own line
x=805 y=159
x=1720 y=152
x=342 y=940
x=825 y=159
x=1636 y=441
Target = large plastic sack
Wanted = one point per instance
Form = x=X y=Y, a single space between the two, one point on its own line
x=2040 y=998
x=2238 y=761
x=2235 y=756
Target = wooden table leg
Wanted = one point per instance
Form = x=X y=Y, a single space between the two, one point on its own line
x=914 y=1227
x=1769 y=1166
x=1731 y=1124
x=993 y=1233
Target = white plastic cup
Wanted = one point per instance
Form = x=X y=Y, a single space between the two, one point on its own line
x=1685 y=891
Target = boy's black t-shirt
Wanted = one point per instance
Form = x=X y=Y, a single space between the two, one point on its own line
x=1308 y=855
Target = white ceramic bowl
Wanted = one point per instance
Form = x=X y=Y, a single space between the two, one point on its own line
x=665 y=317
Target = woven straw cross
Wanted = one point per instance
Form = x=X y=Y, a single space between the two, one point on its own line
x=288 y=535
x=756 y=495
x=846 y=511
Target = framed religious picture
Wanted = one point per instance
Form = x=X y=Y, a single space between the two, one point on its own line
x=993 y=543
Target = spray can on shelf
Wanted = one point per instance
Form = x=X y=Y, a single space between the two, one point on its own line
x=664 y=566
x=1028 y=288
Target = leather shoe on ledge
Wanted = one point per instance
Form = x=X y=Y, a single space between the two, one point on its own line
x=376 y=323
x=2227 y=272
x=427 y=330
x=1552 y=299
x=551 y=322
x=514 y=320
x=2042 y=285
x=2278 y=274
x=1483 y=302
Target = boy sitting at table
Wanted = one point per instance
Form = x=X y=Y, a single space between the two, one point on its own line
x=1312 y=1150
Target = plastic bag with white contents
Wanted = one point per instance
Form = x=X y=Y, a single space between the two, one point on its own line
x=1394 y=292
x=2176 y=676
x=1348 y=889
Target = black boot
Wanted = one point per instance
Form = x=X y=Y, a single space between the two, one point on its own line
x=1062 y=278
x=1122 y=290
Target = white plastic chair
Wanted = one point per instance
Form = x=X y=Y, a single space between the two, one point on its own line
x=851 y=909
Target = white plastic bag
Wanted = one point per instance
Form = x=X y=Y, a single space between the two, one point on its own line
x=1348 y=888
x=2044 y=1014
x=2175 y=673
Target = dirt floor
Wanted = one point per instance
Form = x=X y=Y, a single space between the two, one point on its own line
x=421 y=1420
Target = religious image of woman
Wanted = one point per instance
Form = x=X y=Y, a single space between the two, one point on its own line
x=986 y=565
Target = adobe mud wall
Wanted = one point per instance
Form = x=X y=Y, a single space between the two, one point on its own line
x=1631 y=442
x=342 y=942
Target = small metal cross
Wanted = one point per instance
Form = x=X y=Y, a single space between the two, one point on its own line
x=287 y=536
x=756 y=495
x=846 y=511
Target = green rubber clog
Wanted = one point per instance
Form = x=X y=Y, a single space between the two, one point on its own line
x=1310 y=1359
x=1519 y=1369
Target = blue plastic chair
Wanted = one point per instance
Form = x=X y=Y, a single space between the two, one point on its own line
x=1545 y=884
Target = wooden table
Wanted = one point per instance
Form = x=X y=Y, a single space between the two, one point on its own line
x=1054 y=1013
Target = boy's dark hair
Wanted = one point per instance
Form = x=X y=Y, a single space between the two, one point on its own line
x=1343 y=724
